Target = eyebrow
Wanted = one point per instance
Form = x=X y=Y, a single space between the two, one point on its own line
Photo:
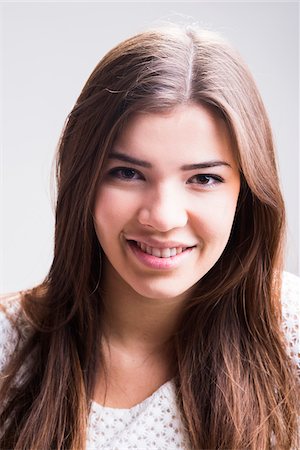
x=138 y=162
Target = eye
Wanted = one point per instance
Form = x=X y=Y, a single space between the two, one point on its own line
x=206 y=180
x=125 y=173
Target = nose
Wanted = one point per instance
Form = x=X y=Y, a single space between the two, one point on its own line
x=163 y=210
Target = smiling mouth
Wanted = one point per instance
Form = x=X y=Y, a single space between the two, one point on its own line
x=159 y=252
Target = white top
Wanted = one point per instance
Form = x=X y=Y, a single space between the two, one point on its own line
x=155 y=423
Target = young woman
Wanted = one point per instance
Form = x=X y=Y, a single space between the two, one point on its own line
x=165 y=321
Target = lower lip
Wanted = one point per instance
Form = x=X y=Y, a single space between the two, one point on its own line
x=154 y=262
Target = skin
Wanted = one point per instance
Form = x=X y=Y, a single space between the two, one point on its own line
x=158 y=204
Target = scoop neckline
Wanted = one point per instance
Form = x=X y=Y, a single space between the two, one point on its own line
x=101 y=408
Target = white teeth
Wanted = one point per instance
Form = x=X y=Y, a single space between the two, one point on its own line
x=161 y=252
x=166 y=253
x=155 y=251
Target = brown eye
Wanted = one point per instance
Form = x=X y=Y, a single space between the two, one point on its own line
x=125 y=173
x=203 y=179
x=206 y=179
x=128 y=173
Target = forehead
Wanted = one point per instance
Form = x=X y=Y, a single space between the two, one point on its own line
x=186 y=134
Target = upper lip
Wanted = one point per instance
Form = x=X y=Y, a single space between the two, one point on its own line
x=160 y=244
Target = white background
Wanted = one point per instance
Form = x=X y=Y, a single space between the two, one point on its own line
x=48 y=52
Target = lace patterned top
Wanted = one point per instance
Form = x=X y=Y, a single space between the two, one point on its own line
x=155 y=423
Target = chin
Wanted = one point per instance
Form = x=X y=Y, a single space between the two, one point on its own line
x=158 y=292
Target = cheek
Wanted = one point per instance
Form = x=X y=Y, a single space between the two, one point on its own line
x=112 y=210
x=215 y=218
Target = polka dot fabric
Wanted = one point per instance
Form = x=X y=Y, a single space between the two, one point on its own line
x=155 y=423
x=152 y=424
x=290 y=299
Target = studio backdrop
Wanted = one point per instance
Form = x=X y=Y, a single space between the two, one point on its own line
x=48 y=51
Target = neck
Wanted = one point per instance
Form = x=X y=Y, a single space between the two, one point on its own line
x=139 y=323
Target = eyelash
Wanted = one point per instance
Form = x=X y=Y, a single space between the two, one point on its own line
x=118 y=172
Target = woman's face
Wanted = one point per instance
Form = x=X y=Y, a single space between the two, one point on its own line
x=165 y=208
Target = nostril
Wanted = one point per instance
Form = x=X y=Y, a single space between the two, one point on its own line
x=163 y=217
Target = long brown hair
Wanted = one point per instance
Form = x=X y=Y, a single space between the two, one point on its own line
x=236 y=385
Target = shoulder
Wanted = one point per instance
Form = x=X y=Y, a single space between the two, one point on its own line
x=290 y=302
x=290 y=299
x=12 y=326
